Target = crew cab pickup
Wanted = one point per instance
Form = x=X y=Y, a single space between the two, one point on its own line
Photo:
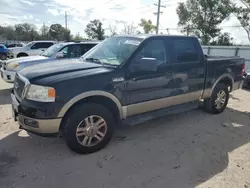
x=121 y=79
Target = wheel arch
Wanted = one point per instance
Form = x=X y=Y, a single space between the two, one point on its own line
x=22 y=53
x=226 y=79
x=100 y=97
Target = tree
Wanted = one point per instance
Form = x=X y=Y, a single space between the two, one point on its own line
x=147 y=26
x=44 y=30
x=129 y=29
x=78 y=37
x=112 y=30
x=26 y=32
x=224 y=39
x=203 y=17
x=94 y=30
x=58 y=32
x=7 y=33
x=243 y=15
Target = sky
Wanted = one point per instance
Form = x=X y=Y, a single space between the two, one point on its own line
x=110 y=12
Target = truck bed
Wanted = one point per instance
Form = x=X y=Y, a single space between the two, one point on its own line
x=222 y=58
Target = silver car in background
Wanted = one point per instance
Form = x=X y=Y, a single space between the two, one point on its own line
x=57 y=51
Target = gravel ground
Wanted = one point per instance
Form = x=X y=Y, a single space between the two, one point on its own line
x=192 y=149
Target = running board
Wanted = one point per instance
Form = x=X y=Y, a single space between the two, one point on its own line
x=142 y=118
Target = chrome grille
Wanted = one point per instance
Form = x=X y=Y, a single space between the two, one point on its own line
x=18 y=87
x=4 y=66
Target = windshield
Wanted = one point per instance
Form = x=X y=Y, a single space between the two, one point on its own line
x=52 y=50
x=113 y=51
x=29 y=44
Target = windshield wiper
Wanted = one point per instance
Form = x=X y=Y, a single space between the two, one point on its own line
x=94 y=60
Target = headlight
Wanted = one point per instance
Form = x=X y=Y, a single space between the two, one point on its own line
x=12 y=66
x=40 y=93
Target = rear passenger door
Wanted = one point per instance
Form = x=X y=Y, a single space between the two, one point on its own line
x=188 y=68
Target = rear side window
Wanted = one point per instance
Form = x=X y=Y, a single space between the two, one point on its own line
x=40 y=45
x=46 y=44
x=185 y=51
x=74 y=51
x=86 y=47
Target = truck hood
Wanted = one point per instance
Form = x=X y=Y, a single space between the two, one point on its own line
x=25 y=59
x=57 y=67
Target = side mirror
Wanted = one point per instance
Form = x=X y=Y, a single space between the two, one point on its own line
x=146 y=64
x=59 y=55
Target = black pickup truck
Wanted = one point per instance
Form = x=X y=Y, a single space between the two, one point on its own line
x=122 y=78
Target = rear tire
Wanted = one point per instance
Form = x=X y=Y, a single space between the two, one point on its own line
x=218 y=101
x=82 y=131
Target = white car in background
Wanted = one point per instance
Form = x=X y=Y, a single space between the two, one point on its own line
x=31 y=49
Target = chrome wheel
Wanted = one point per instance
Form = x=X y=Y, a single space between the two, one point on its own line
x=220 y=100
x=91 y=130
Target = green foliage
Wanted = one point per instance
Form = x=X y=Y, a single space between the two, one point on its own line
x=203 y=17
x=147 y=26
x=58 y=32
x=29 y=32
x=94 y=30
x=242 y=13
x=26 y=32
x=224 y=39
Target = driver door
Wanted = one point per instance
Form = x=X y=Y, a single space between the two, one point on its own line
x=144 y=89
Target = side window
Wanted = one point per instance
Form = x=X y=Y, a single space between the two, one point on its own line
x=65 y=51
x=185 y=51
x=34 y=46
x=154 y=49
x=74 y=51
x=1 y=47
x=45 y=44
x=40 y=45
x=86 y=47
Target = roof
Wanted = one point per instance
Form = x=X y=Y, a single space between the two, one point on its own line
x=43 y=41
x=84 y=42
x=144 y=36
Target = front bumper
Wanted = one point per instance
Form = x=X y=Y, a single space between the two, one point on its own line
x=8 y=76
x=34 y=125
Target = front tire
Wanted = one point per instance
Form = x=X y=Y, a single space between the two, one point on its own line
x=3 y=57
x=218 y=101
x=88 y=128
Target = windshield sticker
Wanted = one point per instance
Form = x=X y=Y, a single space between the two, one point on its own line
x=133 y=42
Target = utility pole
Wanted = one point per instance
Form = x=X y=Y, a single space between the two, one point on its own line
x=66 y=20
x=158 y=14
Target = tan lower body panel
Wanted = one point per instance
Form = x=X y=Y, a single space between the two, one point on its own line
x=43 y=126
x=135 y=109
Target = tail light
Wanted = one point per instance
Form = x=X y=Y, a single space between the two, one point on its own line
x=243 y=69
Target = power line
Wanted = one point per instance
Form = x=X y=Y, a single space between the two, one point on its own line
x=158 y=14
